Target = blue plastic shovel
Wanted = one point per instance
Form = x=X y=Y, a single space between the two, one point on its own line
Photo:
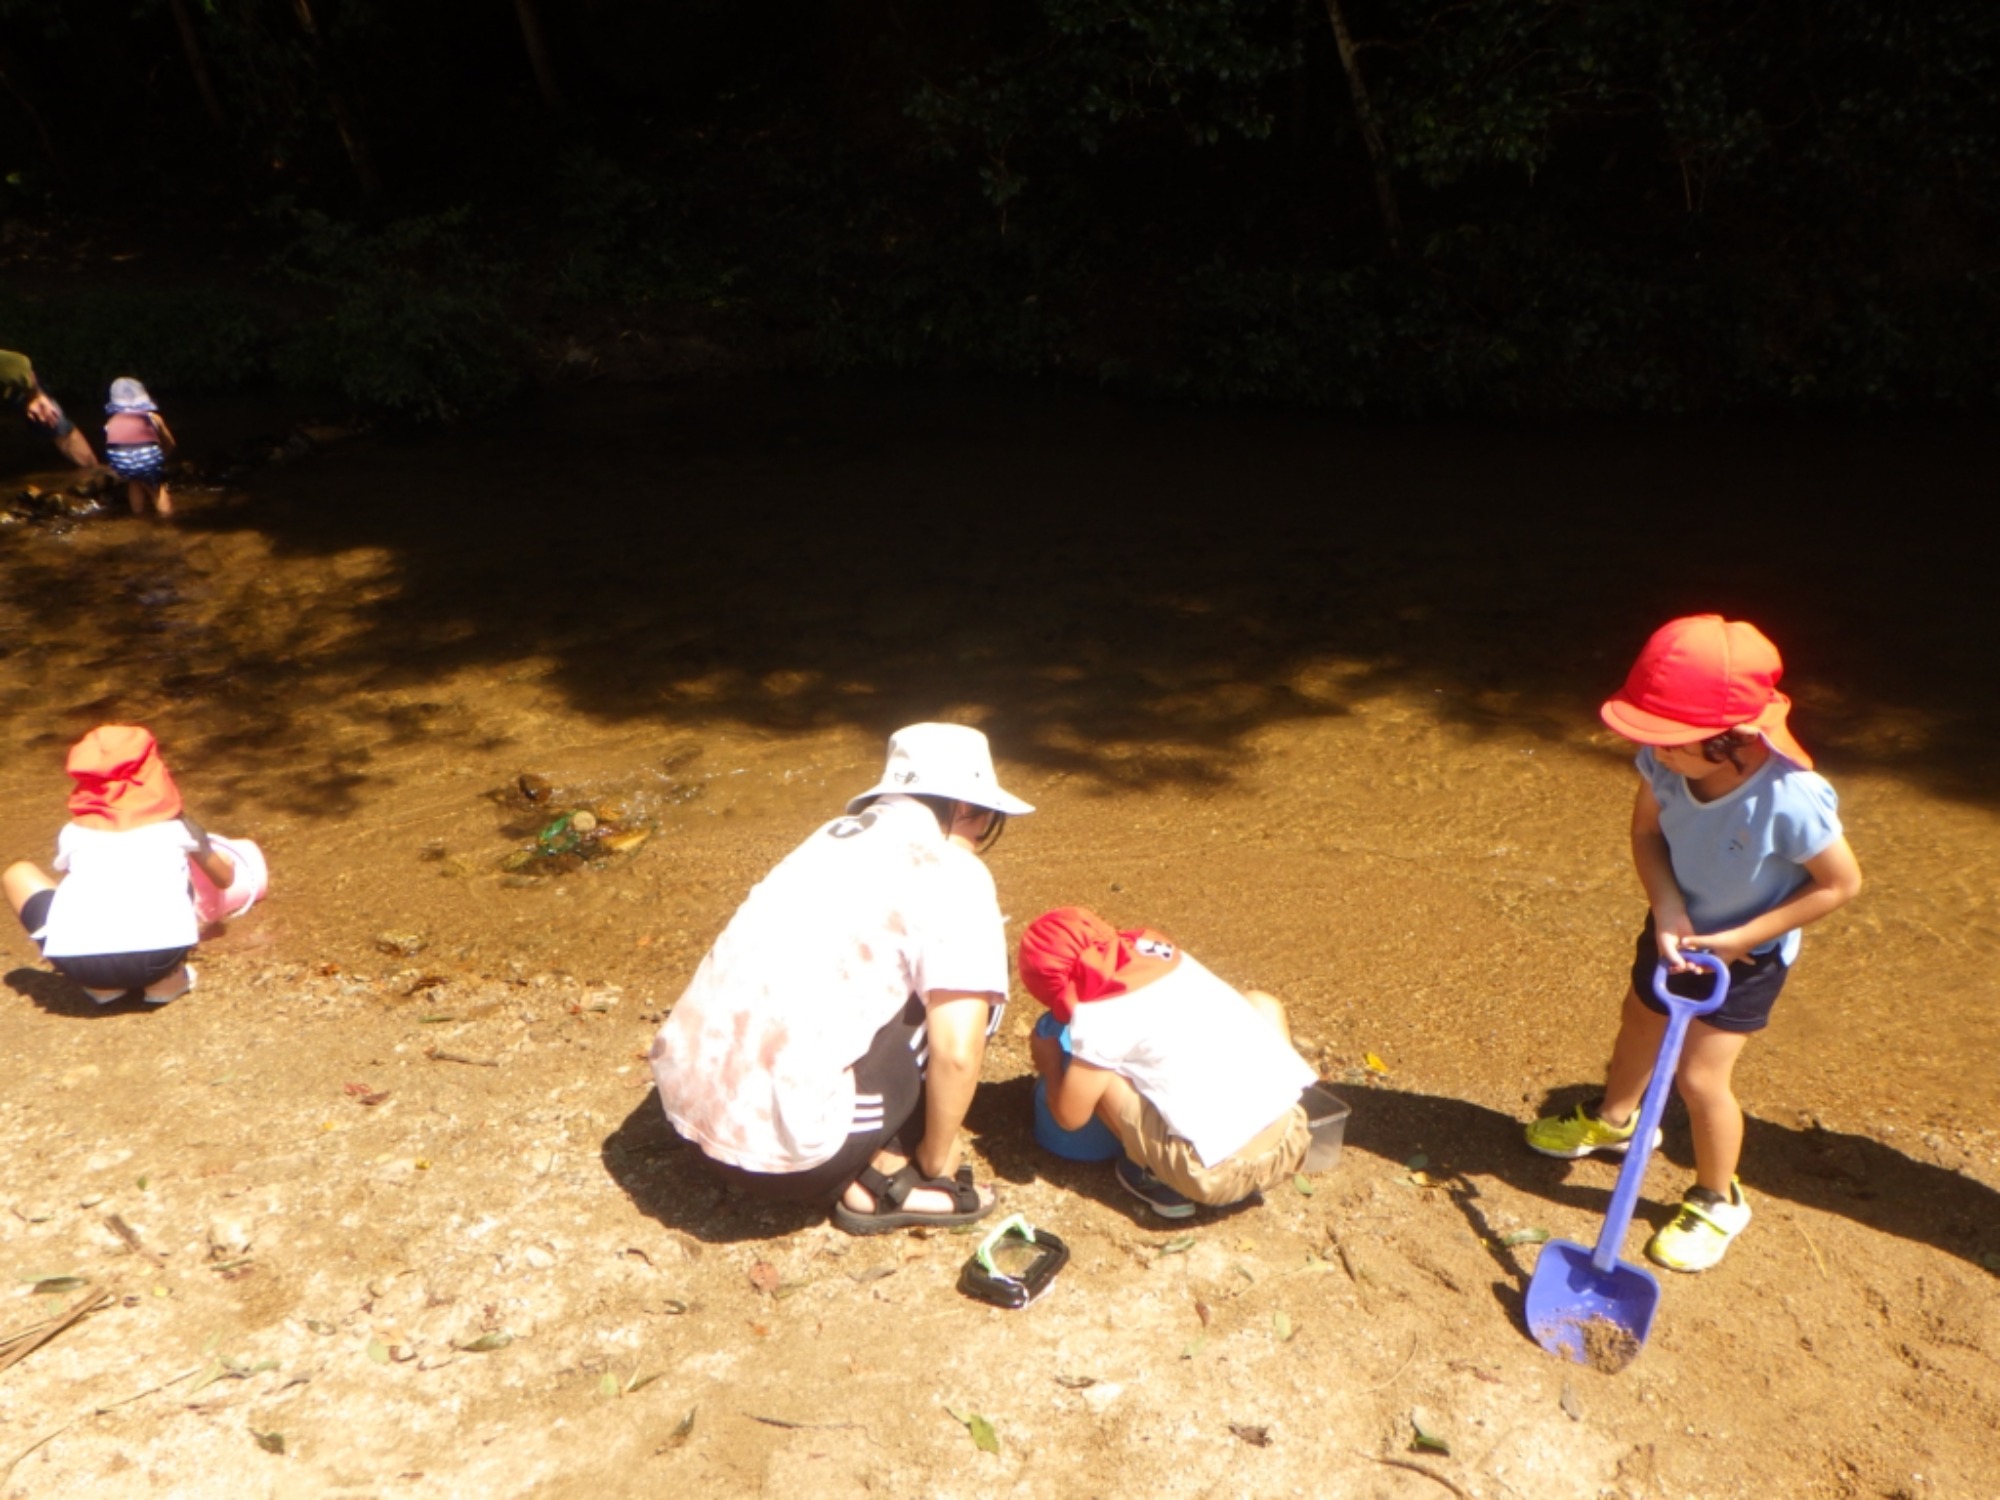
x=1589 y=1305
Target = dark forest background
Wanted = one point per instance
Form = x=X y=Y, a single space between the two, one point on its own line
x=419 y=206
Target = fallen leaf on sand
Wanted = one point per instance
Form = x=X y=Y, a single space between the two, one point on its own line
x=984 y=1438
x=1256 y=1437
x=1425 y=1434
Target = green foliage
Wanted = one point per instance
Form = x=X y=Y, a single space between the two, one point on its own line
x=1092 y=71
x=407 y=318
x=187 y=339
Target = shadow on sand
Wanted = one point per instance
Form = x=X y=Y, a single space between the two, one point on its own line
x=64 y=997
x=1832 y=1172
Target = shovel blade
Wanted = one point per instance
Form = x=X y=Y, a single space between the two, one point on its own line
x=1596 y=1318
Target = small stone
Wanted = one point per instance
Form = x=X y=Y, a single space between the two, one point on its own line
x=228 y=1237
x=534 y=788
x=583 y=821
x=400 y=944
x=536 y=1258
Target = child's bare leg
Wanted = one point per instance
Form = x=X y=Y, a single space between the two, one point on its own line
x=1632 y=1058
x=1708 y=1063
x=21 y=881
x=1272 y=1009
x=162 y=501
x=135 y=493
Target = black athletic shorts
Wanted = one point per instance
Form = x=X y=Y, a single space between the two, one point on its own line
x=1754 y=983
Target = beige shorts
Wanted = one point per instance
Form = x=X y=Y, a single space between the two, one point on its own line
x=1266 y=1159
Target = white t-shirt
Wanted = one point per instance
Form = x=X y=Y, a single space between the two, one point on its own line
x=755 y=1062
x=123 y=891
x=1217 y=1071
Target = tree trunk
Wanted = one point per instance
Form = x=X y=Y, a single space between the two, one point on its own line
x=197 y=63
x=1371 y=132
x=538 y=55
x=336 y=103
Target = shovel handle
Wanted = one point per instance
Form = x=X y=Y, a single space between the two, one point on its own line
x=1680 y=1011
x=1677 y=1003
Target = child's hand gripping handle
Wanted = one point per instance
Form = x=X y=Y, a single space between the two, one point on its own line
x=1680 y=1012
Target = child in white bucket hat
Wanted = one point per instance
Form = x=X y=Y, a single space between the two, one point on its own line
x=828 y=1046
x=136 y=444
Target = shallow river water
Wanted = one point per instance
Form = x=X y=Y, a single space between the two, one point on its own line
x=1316 y=696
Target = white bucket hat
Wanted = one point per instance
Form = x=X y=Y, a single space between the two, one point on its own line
x=128 y=395
x=942 y=760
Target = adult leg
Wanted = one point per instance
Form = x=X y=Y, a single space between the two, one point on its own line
x=22 y=880
x=1707 y=1067
x=893 y=1070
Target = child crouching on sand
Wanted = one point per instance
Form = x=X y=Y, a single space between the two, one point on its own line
x=1738 y=844
x=122 y=915
x=1197 y=1080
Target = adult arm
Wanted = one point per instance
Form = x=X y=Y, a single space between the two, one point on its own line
x=1836 y=880
x=956 y=1027
x=1655 y=864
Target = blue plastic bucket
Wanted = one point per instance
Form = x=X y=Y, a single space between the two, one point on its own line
x=1094 y=1142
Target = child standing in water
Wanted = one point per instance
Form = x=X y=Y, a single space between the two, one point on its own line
x=1738 y=845
x=122 y=915
x=136 y=444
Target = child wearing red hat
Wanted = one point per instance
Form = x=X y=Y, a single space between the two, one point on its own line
x=1197 y=1079
x=122 y=915
x=1738 y=844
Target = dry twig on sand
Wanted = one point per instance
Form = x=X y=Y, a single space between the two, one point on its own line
x=438 y=1054
x=1416 y=1468
x=17 y=1348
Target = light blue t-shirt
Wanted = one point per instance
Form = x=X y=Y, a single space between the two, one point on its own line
x=1744 y=853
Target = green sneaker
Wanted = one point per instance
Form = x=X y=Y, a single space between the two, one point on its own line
x=1701 y=1232
x=1579 y=1134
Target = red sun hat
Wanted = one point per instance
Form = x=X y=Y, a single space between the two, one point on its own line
x=1699 y=676
x=121 y=782
x=1071 y=956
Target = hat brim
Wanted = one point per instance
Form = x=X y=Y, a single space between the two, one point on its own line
x=1643 y=728
x=988 y=797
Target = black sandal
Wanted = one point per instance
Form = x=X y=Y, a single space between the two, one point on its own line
x=893 y=1191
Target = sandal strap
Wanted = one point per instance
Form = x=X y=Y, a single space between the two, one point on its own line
x=894 y=1189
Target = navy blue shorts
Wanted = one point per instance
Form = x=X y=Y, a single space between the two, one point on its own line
x=1754 y=983
x=101 y=971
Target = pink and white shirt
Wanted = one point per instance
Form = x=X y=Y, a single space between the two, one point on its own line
x=755 y=1062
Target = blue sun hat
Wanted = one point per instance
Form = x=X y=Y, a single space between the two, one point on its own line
x=128 y=395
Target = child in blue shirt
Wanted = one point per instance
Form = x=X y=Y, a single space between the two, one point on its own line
x=1738 y=845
